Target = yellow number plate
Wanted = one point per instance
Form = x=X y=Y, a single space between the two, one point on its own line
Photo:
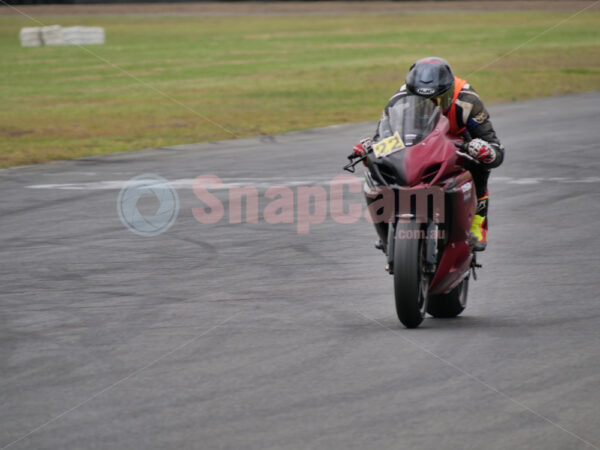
x=388 y=145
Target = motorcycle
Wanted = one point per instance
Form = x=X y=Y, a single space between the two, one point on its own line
x=421 y=199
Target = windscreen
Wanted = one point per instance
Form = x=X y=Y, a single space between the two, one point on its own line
x=413 y=117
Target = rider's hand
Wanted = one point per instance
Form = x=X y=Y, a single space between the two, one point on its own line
x=363 y=147
x=481 y=151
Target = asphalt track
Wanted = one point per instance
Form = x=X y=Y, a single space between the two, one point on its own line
x=253 y=336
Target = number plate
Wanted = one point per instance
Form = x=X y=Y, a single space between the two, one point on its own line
x=388 y=146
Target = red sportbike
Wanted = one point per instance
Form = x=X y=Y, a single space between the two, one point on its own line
x=422 y=199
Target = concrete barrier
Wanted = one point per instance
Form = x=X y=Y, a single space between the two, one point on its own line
x=57 y=35
x=83 y=35
x=52 y=35
x=30 y=37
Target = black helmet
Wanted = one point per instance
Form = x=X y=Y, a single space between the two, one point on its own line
x=432 y=78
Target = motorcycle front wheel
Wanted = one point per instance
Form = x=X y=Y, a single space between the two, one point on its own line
x=411 y=283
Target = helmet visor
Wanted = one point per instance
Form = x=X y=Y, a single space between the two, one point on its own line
x=444 y=100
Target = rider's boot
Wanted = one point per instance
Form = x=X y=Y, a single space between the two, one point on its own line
x=479 y=233
x=479 y=227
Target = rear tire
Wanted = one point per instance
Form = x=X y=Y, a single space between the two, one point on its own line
x=451 y=304
x=410 y=284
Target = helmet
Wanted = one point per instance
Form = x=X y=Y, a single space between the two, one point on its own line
x=432 y=78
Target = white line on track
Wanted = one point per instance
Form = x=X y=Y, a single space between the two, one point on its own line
x=263 y=183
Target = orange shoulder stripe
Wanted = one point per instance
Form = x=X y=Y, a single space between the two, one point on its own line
x=459 y=83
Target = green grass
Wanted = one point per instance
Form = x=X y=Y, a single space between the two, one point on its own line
x=264 y=74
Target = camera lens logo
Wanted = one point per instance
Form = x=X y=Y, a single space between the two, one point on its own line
x=148 y=185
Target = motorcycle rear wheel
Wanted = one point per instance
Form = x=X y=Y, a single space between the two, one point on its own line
x=411 y=284
x=451 y=304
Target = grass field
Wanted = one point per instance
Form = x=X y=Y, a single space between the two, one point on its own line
x=264 y=74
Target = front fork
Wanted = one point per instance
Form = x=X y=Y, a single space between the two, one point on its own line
x=389 y=248
x=387 y=234
x=429 y=237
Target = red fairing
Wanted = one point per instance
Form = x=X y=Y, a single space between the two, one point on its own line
x=457 y=256
x=434 y=162
x=435 y=153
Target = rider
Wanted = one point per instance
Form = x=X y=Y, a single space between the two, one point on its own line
x=432 y=78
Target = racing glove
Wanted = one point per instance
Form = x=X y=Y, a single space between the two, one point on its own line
x=481 y=151
x=363 y=147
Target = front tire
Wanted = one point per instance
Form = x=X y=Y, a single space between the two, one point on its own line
x=451 y=304
x=411 y=284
